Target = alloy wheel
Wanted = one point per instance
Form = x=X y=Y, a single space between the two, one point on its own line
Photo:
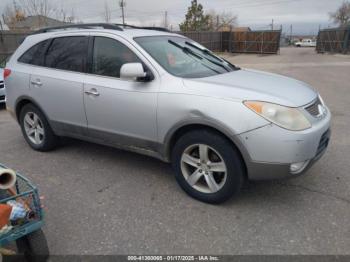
x=203 y=168
x=34 y=128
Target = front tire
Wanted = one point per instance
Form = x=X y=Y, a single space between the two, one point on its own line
x=36 y=129
x=207 y=166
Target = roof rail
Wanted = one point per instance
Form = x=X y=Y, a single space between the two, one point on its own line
x=79 y=26
x=163 y=29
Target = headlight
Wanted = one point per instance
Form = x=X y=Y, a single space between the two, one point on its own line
x=285 y=117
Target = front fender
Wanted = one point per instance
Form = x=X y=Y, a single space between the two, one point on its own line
x=176 y=111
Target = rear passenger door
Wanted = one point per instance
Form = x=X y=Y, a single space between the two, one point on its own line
x=58 y=85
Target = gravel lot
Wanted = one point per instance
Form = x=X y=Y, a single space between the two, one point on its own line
x=101 y=200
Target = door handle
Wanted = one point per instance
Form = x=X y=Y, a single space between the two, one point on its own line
x=36 y=83
x=92 y=92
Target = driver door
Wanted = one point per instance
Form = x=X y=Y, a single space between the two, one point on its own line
x=118 y=111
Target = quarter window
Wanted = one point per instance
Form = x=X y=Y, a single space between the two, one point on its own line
x=35 y=55
x=68 y=53
x=109 y=56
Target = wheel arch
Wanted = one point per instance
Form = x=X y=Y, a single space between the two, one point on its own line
x=25 y=100
x=187 y=126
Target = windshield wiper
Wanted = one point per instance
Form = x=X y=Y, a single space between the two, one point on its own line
x=191 y=52
x=209 y=53
x=205 y=51
x=185 y=49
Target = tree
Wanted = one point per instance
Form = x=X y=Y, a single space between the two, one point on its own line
x=20 y=9
x=38 y=7
x=222 y=20
x=107 y=13
x=13 y=13
x=64 y=17
x=227 y=19
x=195 y=20
x=342 y=15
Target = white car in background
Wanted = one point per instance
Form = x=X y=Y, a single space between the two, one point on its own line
x=306 y=43
x=2 y=87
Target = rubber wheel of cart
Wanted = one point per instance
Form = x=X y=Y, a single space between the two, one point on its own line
x=34 y=247
x=49 y=141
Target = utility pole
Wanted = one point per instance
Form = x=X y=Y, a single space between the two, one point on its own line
x=291 y=33
x=272 y=24
x=122 y=5
x=166 y=19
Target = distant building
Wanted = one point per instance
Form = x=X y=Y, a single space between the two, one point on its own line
x=234 y=29
x=35 y=22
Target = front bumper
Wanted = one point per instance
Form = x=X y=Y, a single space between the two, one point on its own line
x=272 y=150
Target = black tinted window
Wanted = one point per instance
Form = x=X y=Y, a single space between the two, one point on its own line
x=35 y=55
x=109 y=55
x=67 y=53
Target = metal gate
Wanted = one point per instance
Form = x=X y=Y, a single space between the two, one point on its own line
x=334 y=40
x=261 y=42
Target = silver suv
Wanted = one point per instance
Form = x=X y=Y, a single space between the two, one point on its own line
x=164 y=95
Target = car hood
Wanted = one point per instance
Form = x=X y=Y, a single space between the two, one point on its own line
x=254 y=85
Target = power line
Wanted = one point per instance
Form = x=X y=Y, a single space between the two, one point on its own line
x=181 y=11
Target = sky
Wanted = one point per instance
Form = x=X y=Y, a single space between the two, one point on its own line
x=306 y=16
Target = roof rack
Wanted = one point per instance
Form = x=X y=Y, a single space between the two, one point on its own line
x=118 y=27
x=163 y=29
x=79 y=26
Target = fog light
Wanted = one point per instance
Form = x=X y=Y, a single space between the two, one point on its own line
x=297 y=168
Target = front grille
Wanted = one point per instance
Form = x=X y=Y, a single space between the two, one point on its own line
x=2 y=98
x=313 y=109
x=323 y=142
x=1 y=85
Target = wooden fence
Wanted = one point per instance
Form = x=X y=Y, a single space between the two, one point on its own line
x=261 y=42
x=211 y=40
x=334 y=40
x=9 y=41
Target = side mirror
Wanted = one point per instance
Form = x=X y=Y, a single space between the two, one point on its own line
x=133 y=71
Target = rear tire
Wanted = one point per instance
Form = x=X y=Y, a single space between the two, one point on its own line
x=36 y=129
x=213 y=179
x=34 y=247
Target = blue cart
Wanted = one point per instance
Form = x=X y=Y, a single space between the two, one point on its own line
x=30 y=239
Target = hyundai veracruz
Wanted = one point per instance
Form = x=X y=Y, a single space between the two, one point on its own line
x=163 y=95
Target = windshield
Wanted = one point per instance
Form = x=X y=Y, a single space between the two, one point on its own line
x=183 y=57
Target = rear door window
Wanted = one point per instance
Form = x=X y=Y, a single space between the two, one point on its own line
x=68 y=53
x=35 y=55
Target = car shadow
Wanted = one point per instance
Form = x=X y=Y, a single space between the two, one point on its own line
x=253 y=193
